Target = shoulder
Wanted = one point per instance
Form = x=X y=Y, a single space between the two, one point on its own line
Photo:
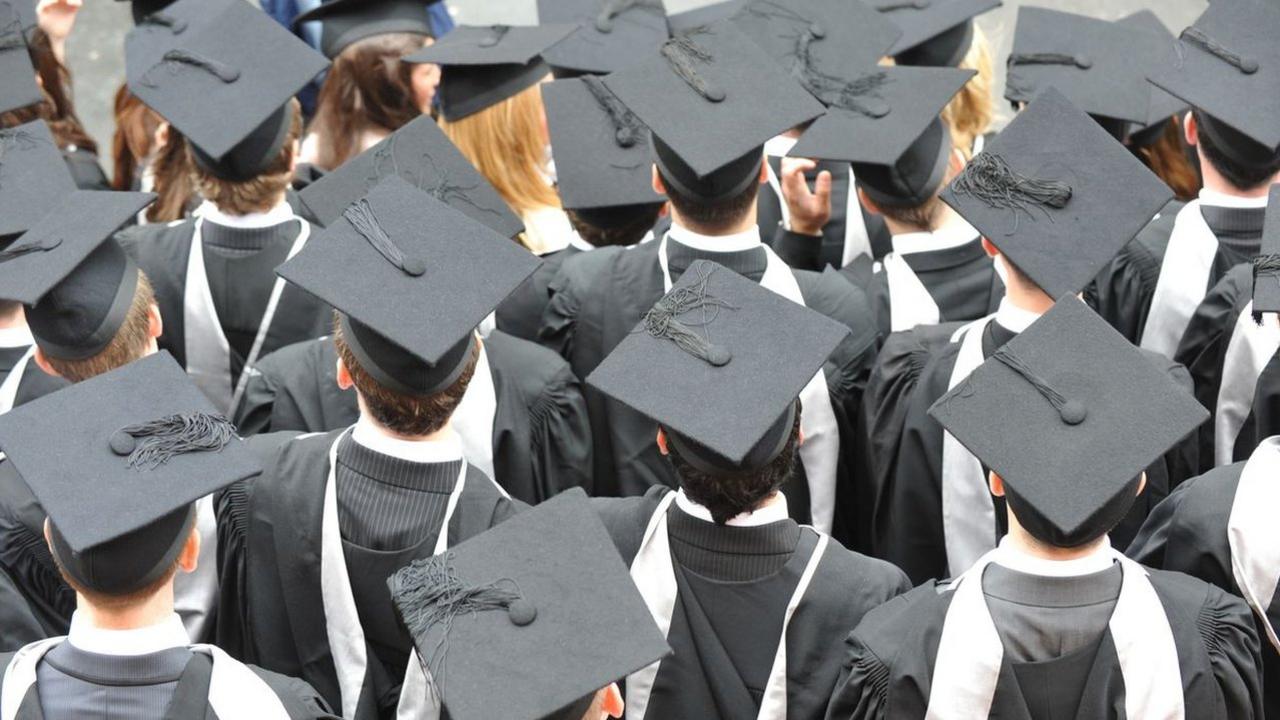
x=627 y=518
x=582 y=268
x=532 y=364
x=1174 y=369
x=1235 y=288
x=909 y=623
x=300 y=700
x=306 y=354
x=1204 y=503
x=149 y=238
x=862 y=583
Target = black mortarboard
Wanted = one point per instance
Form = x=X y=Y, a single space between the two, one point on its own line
x=712 y=98
x=822 y=42
x=1068 y=414
x=18 y=87
x=1162 y=105
x=683 y=22
x=421 y=154
x=411 y=278
x=1099 y=65
x=482 y=66
x=602 y=151
x=1266 y=267
x=1228 y=65
x=719 y=362
x=344 y=22
x=33 y=177
x=935 y=33
x=1056 y=194
x=223 y=80
x=116 y=461
x=530 y=619
x=143 y=8
x=20 y=13
x=77 y=280
x=611 y=34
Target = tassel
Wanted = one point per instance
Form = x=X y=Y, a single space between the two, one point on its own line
x=613 y=8
x=904 y=5
x=1072 y=412
x=497 y=33
x=362 y=219
x=627 y=128
x=682 y=54
x=16 y=251
x=661 y=320
x=1200 y=39
x=177 y=26
x=222 y=71
x=1081 y=61
x=989 y=178
x=151 y=444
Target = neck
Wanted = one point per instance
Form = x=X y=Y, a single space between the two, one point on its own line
x=152 y=610
x=941 y=217
x=365 y=416
x=1213 y=180
x=742 y=224
x=12 y=317
x=1024 y=542
x=1024 y=295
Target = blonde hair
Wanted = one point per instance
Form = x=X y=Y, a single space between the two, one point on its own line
x=970 y=113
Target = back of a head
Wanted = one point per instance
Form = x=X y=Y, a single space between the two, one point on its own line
x=1241 y=161
x=618 y=226
x=716 y=201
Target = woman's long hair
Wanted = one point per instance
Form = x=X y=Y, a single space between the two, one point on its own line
x=57 y=108
x=970 y=113
x=368 y=88
x=1167 y=158
x=134 y=147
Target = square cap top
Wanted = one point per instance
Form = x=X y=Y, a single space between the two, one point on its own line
x=713 y=95
x=1099 y=65
x=411 y=268
x=146 y=443
x=924 y=20
x=819 y=41
x=562 y=617
x=760 y=351
x=223 y=75
x=422 y=155
x=142 y=8
x=477 y=45
x=1228 y=65
x=33 y=177
x=18 y=87
x=60 y=241
x=1266 y=267
x=683 y=22
x=20 y=14
x=611 y=34
x=346 y=22
x=1056 y=194
x=1163 y=105
x=602 y=151
x=1069 y=413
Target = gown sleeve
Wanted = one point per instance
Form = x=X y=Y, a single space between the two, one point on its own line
x=18 y=624
x=560 y=433
x=1150 y=545
x=253 y=415
x=1122 y=291
x=1227 y=626
x=862 y=691
x=560 y=316
x=232 y=509
x=801 y=252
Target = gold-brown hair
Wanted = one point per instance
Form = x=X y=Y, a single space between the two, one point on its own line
x=134 y=144
x=130 y=343
x=970 y=113
x=262 y=192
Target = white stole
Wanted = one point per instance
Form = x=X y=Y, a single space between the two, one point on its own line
x=9 y=388
x=1253 y=534
x=967 y=666
x=820 y=452
x=1184 y=279
x=910 y=303
x=655 y=577
x=968 y=514
x=1250 y=349
x=474 y=416
x=235 y=691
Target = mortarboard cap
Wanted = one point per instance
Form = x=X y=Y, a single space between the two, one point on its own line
x=33 y=177
x=611 y=34
x=411 y=279
x=482 y=66
x=345 y=22
x=19 y=13
x=116 y=461
x=712 y=98
x=528 y=620
x=1266 y=267
x=76 y=279
x=224 y=77
x=1056 y=194
x=143 y=8
x=719 y=362
x=682 y=22
x=1227 y=65
x=18 y=87
x=818 y=41
x=1068 y=414
x=935 y=33
x=602 y=151
x=1162 y=105
x=422 y=155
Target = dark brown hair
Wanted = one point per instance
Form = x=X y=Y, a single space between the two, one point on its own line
x=130 y=343
x=132 y=145
x=1167 y=158
x=702 y=215
x=919 y=217
x=636 y=222
x=57 y=108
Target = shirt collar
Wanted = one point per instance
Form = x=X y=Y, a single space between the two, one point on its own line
x=1007 y=555
x=1013 y=318
x=447 y=448
x=952 y=235
x=737 y=242
x=1218 y=199
x=16 y=336
x=779 y=146
x=277 y=215
x=162 y=636
x=775 y=510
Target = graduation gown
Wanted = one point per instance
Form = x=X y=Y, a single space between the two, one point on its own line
x=718 y=669
x=18 y=622
x=807 y=253
x=270 y=527
x=905 y=502
x=599 y=297
x=520 y=314
x=26 y=562
x=1264 y=421
x=541 y=432
x=889 y=667
x=32 y=384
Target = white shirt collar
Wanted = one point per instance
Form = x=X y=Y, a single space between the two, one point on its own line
x=446 y=449
x=1218 y=199
x=953 y=234
x=575 y=240
x=16 y=336
x=1013 y=318
x=1015 y=559
x=737 y=242
x=773 y=511
x=164 y=635
x=277 y=215
x=779 y=146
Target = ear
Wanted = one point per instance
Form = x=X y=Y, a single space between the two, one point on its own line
x=657 y=184
x=188 y=559
x=1190 y=129
x=955 y=164
x=662 y=442
x=989 y=249
x=1142 y=483
x=611 y=702
x=344 y=376
x=764 y=170
x=42 y=362
x=155 y=323
x=868 y=203
x=48 y=534
x=996 y=483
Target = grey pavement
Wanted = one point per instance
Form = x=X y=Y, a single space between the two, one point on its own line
x=97 y=62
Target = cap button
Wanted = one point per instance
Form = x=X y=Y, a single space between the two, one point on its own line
x=626 y=137
x=1073 y=412
x=122 y=443
x=817 y=31
x=718 y=355
x=1248 y=66
x=414 y=266
x=522 y=613
x=1084 y=62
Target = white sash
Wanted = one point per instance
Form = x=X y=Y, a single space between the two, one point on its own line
x=910 y=303
x=208 y=352
x=342 y=619
x=9 y=388
x=1253 y=534
x=235 y=691
x=968 y=514
x=1251 y=347
x=820 y=452
x=970 y=653
x=473 y=418
x=1183 y=282
x=655 y=577
x=856 y=239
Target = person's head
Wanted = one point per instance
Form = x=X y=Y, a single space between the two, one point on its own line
x=1032 y=527
x=135 y=339
x=260 y=193
x=368 y=88
x=906 y=193
x=10 y=313
x=720 y=203
x=615 y=226
x=971 y=112
x=145 y=143
x=1163 y=150
x=57 y=108
x=1244 y=164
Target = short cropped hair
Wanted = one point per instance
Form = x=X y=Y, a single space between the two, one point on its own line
x=131 y=342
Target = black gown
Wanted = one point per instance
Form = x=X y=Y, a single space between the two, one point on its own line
x=18 y=622
x=35 y=382
x=541 y=432
x=905 y=497
x=599 y=297
x=731 y=579
x=25 y=558
x=521 y=313
x=1264 y=421
x=803 y=252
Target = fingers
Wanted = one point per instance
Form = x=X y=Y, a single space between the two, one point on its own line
x=822 y=188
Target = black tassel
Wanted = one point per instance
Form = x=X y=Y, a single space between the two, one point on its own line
x=1084 y=62
x=1200 y=39
x=151 y=444
x=441 y=188
x=1072 y=412
x=611 y=9
x=16 y=140
x=496 y=34
x=174 y=58
x=16 y=251
x=362 y=219
x=662 y=320
x=177 y=26
x=627 y=128
x=989 y=178
x=683 y=55
x=904 y=5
